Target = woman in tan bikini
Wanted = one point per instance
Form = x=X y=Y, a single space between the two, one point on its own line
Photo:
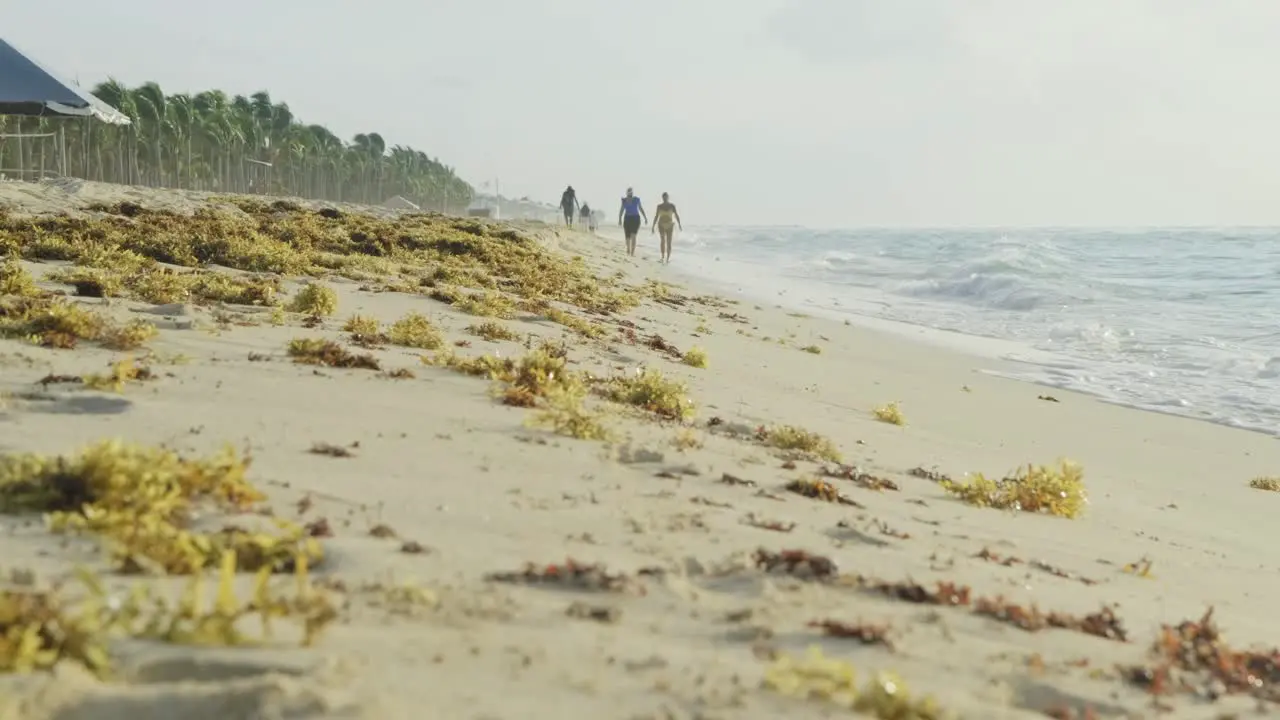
x=665 y=220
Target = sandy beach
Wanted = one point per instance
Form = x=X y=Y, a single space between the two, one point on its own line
x=430 y=497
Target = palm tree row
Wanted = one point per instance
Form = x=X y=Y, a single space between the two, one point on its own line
x=211 y=141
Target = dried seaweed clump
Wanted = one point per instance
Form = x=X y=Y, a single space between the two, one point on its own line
x=890 y=413
x=41 y=628
x=15 y=280
x=52 y=323
x=1036 y=488
x=792 y=439
x=142 y=502
x=1265 y=483
x=487 y=304
x=1193 y=657
x=695 y=357
x=122 y=373
x=649 y=390
x=416 y=331
x=314 y=351
x=565 y=413
x=315 y=300
x=493 y=331
x=130 y=336
x=832 y=681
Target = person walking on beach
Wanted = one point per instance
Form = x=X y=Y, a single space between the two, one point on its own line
x=584 y=215
x=569 y=203
x=629 y=216
x=665 y=220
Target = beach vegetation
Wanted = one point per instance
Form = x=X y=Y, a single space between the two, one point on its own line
x=129 y=336
x=315 y=351
x=315 y=300
x=140 y=503
x=15 y=280
x=487 y=304
x=812 y=349
x=695 y=357
x=890 y=413
x=796 y=441
x=122 y=373
x=818 y=678
x=493 y=331
x=416 y=331
x=651 y=391
x=1050 y=489
x=1265 y=483
x=565 y=413
x=686 y=439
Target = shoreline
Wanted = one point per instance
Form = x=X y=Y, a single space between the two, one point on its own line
x=679 y=508
x=1012 y=359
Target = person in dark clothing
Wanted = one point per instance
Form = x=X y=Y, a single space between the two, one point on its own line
x=569 y=203
x=584 y=215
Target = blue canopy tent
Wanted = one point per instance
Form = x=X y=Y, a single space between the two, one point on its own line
x=29 y=89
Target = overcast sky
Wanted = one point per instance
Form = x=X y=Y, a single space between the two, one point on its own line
x=817 y=112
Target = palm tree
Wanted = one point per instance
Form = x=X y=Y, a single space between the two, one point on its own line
x=217 y=142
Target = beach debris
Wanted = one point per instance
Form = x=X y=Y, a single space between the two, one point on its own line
x=315 y=300
x=314 y=351
x=597 y=613
x=766 y=524
x=798 y=443
x=1009 y=561
x=571 y=575
x=812 y=349
x=399 y=374
x=51 y=379
x=1265 y=483
x=384 y=531
x=1104 y=623
x=319 y=528
x=863 y=479
x=1193 y=657
x=331 y=450
x=734 y=317
x=1051 y=490
x=1048 y=398
x=944 y=593
x=817 y=678
x=413 y=547
x=930 y=475
x=820 y=490
x=695 y=357
x=865 y=633
x=1140 y=568
x=650 y=391
x=799 y=563
x=728 y=479
x=686 y=439
x=890 y=413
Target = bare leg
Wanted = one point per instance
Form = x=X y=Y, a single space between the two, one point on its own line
x=666 y=243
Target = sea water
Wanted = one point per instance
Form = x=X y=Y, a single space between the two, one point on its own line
x=1175 y=320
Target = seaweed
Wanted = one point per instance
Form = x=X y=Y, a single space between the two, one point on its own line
x=820 y=490
x=1056 y=490
x=695 y=357
x=890 y=413
x=802 y=443
x=313 y=351
x=649 y=390
x=816 y=677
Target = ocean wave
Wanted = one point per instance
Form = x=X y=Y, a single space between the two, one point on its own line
x=1177 y=320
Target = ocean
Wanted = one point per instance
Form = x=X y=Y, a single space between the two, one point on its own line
x=1172 y=320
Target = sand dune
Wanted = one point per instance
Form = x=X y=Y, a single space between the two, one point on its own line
x=693 y=628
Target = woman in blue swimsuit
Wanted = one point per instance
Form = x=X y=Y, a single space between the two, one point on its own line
x=629 y=216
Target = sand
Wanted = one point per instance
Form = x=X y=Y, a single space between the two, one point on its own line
x=446 y=466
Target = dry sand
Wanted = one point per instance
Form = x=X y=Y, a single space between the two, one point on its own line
x=443 y=464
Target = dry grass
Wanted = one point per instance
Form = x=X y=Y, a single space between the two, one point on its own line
x=1035 y=488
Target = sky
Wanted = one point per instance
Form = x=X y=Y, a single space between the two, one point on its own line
x=826 y=113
